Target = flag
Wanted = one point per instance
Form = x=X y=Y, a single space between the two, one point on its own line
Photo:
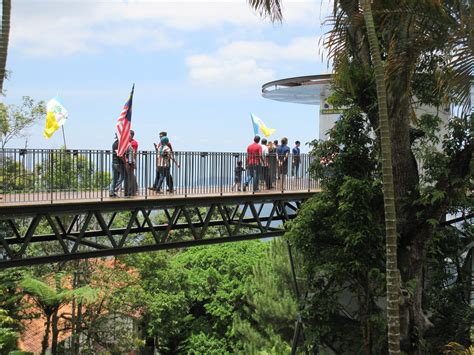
x=56 y=116
x=124 y=124
x=259 y=125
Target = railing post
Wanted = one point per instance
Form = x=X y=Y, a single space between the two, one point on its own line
x=101 y=175
x=185 y=174
x=146 y=174
x=51 y=174
x=222 y=168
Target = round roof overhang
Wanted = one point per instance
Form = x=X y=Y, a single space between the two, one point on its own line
x=301 y=90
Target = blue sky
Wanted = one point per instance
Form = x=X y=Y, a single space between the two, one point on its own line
x=198 y=69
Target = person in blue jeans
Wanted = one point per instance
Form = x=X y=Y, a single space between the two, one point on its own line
x=254 y=160
x=296 y=159
x=118 y=170
x=283 y=151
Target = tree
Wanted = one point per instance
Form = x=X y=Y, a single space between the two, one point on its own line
x=50 y=299
x=189 y=298
x=4 y=37
x=413 y=37
x=339 y=235
x=72 y=170
x=268 y=322
x=12 y=308
x=392 y=272
x=8 y=335
x=15 y=119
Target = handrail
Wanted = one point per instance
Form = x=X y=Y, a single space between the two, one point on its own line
x=29 y=175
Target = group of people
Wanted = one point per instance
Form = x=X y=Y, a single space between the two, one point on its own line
x=124 y=167
x=267 y=160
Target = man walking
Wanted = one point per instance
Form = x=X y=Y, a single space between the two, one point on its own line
x=254 y=157
x=118 y=170
x=296 y=159
x=169 y=177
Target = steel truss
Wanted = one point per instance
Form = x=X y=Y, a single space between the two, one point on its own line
x=44 y=234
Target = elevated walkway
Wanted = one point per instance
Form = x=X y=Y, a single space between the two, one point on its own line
x=56 y=207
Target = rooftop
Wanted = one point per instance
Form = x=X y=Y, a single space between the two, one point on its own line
x=301 y=90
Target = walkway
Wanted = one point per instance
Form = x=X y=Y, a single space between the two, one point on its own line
x=40 y=177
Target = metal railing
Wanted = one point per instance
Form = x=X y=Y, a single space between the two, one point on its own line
x=29 y=175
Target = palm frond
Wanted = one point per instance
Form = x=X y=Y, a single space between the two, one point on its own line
x=86 y=294
x=268 y=8
x=40 y=290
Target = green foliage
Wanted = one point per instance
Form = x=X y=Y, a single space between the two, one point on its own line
x=49 y=297
x=15 y=176
x=69 y=170
x=202 y=343
x=339 y=234
x=195 y=291
x=450 y=284
x=15 y=119
x=12 y=308
x=8 y=334
x=267 y=326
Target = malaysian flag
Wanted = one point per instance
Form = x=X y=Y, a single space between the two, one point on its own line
x=124 y=124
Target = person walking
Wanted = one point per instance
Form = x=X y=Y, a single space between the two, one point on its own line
x=283 y=151
x=254 y=158
x=118 y=170
x=265 y=162
x=296 y=159
x=163 y=163
x=169 y=179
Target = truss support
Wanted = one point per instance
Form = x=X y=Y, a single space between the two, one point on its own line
x=43 y=234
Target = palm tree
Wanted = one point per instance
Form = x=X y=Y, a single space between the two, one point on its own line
x=4 y=36
x=392 y=278
x=406 y=32
x=273 y=8
x=50 y=299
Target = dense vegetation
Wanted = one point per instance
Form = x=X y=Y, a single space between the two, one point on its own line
x=218 y=299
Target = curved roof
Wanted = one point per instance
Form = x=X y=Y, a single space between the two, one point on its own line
x=301 y=90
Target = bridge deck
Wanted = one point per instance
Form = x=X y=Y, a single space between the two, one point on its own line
x=58 y=201
x=22 y=204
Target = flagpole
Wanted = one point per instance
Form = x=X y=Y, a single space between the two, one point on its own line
x=64 y=137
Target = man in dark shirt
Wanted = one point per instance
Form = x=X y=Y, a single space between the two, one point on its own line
x=283 y=151
x=118 y=170
x=277 y=171
x=296 y=159
x=254 y=159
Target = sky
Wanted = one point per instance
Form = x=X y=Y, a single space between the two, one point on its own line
x=198 y=69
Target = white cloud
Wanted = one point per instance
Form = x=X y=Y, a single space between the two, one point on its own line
x=69 y=27
x=248 y=63
x=207 y=70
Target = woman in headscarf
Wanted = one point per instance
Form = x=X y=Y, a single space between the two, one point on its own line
x=164 y=157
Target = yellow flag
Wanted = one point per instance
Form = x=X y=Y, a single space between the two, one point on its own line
x=51 y=125
x=259 y=125
x=56 y=116
x=266 y=131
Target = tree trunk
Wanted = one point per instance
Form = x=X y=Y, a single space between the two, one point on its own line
x=393 y=275
x=4 y=37
x=45 y=342
x=55 y=333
